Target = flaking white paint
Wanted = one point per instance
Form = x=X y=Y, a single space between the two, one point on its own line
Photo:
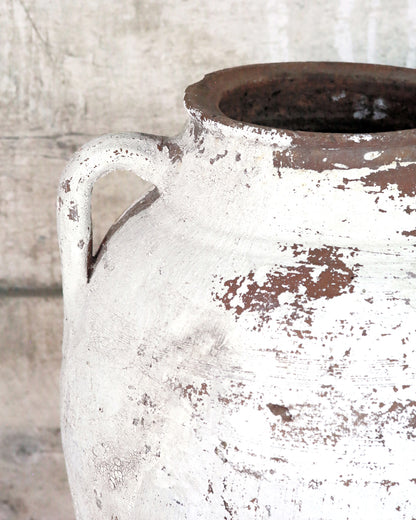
x=205 y=334
x=370 y=156
x=360 y=137
x=97 y=73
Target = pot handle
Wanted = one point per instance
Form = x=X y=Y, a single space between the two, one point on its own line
x=142 y=154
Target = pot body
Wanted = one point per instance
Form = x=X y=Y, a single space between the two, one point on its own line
x=244 y=346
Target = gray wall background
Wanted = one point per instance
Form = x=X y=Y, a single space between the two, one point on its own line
x=72 y=69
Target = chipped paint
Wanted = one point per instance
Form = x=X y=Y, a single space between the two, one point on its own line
x=280 y=411
x=174 y=150
x=322 y=274
x=357 y=138
x=73 y=213
x=218 y=157
x=370 y=156
x=400 y=177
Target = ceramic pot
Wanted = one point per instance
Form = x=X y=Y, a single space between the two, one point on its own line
x=243 y=345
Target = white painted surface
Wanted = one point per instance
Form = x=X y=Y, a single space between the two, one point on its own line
x=238 y=353
x=70 y=71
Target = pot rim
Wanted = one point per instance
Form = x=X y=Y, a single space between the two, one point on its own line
x=202 y=101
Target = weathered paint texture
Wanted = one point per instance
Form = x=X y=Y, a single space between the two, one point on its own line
x=243 y=347
x=69 y=72
x=64 y=80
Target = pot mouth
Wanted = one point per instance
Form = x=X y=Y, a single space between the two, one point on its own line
x=342 y=100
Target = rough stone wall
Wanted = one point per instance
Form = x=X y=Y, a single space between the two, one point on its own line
x=70 y=70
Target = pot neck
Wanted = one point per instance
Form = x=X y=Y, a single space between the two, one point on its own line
x=228 y=184
x=319 y=108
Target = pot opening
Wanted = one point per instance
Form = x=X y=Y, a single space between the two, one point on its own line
x=322 y=102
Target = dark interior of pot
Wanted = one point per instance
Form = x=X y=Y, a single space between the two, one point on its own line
x=324 y=103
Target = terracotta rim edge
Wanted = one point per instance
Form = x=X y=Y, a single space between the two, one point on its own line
x=202 y=101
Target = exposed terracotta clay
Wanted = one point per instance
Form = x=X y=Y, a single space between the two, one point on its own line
x=242 y=346
x=174 y=150
x=302 y=281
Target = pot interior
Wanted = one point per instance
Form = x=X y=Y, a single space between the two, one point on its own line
x=324 y=102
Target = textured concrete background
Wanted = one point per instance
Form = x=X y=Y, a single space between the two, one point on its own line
x=70 y=70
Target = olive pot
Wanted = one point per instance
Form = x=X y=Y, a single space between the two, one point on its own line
x=243 y=344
